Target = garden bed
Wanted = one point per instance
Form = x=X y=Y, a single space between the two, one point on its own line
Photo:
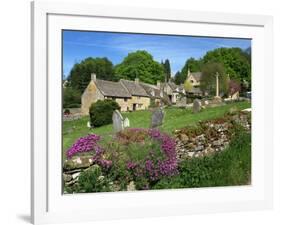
x=142 y=158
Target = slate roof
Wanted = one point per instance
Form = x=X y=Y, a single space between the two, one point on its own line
x=112 y=89
x=172 y=85
x=134 y=88
x=197 y=76
x=149 y=88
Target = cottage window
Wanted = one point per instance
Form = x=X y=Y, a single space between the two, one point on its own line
x=125 y=99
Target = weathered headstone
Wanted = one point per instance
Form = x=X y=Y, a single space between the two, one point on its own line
x=157 y=118
x=197 y=105
x=118 y=121
x=126 y=122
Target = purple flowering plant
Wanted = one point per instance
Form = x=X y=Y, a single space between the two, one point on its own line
x=134 y=154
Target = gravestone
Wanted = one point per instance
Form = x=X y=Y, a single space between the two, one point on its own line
x=157 y=118
x=118 y=121
x=197 y=105
x=126 y=122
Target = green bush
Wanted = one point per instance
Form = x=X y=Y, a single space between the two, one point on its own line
x=92 y=180
x=66 y=111
x=101 y=112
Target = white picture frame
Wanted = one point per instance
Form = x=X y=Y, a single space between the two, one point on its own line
x=49 y=205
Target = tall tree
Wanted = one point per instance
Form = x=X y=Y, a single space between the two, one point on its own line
x=167 y=69
x=80 y=73
x=208 y=80
x=140 y=64
x=178 y=78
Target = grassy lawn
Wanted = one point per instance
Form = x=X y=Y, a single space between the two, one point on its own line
x=175 y=118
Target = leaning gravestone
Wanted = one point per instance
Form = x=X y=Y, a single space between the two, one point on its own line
x=157 y=118
x=197 y=105
x=126 y=122
x=118 y=121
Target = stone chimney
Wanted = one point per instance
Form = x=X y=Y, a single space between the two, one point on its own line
x=93 y=77
x=137 y=80
x=158 y=84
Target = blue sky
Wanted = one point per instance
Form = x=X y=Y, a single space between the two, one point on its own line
x=78 y=45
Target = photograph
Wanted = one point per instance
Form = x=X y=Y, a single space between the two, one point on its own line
x=145 y=111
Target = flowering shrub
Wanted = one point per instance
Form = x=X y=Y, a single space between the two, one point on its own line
x=156 y=163
x=85 y=144
x=141 y=155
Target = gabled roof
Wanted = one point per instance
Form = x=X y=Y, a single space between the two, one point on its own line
x=151 y=89
x=112 y=89
x=197 y=75
x=134 y=88
x=172 y=85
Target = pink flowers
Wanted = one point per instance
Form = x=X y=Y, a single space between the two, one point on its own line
x=159 y=160
x=154 y=167
x=85 y=144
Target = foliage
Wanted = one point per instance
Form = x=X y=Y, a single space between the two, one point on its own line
x=187 y=86
x=66 y=111
x=167 y=69
x=71 y=97
x=92 y=180
x=234 y=86
x=237 y=63
x=80 y=74
x=230 y=167
x=208 y=79
x=101 y=112
x=140 y=64
x=178 y=78
x=144 y=155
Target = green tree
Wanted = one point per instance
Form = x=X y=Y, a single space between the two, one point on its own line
x=140 y=64
x=71 y=98
x=194 y=65
x=80 y=73
x=178 y=78
x=236 y=62
x=208 y=80
x=167 y=69
x=187 y=86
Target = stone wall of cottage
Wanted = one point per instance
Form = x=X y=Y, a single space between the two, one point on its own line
x=141 y=103
x=123 y=103
x=90 y=95
x=193 y=81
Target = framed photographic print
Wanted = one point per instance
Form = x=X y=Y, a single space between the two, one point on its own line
x=147 y=112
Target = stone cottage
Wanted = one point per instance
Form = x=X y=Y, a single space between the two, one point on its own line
x=173 y=91
x=130 y=95
x=194 y=78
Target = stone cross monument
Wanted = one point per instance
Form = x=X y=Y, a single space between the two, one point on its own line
x=217 y=84
x=217 y=98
